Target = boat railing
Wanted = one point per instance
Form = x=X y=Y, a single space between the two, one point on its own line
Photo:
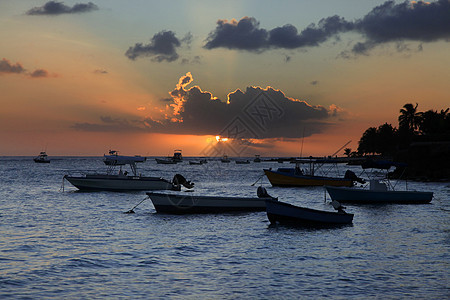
x=82 y=172
x=383 y=178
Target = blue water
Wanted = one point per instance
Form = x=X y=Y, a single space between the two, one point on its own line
x=58 y=244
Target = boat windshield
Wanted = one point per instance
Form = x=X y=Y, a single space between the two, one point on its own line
x=120 y=160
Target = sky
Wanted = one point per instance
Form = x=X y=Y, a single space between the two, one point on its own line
x=274 y=78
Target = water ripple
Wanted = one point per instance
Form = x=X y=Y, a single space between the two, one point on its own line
x=76 y=245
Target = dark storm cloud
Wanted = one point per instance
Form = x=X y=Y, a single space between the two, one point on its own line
x=162 y=47
x=242 y=35
x=389 y=22
x=193 y=111
x=246 y=34
x=7 y=67
x=287 y=36
x=39 y=73
x=58 y=8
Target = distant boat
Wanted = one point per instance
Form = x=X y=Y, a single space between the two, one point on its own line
x=165 y=161
x=176 y=158
x=189 y=204
x=225 y=159
x=200 y=162
x=257 y=159
x=242 y=162
x=121 y=181
x=42 y=158
x=280 y=212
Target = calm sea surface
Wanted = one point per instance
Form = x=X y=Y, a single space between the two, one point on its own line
x=75 y=245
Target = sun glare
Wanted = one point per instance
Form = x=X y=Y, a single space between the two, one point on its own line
x=221 y=139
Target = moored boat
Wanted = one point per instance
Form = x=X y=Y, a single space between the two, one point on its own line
x=200 y=162
x=225 y=159
x=177 y=156
x=171 y=160
x=163 y=161
x=282 y=212
x=378 y=193
x=293 y=177
x=190 y=204
x=298 y=177
x=121 y=181
x=118 y=183
x=242 y=162
x=42 y=158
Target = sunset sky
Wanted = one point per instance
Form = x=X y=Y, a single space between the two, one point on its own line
x=147 y=77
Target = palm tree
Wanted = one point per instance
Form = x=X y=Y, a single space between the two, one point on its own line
x=432 y=122
x=409 y=117
x=368 y=141
x=347 y=151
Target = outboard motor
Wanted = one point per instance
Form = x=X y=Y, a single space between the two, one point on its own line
x=179 y=179
x=337 y=206
x=262 y=192
x=351 y=175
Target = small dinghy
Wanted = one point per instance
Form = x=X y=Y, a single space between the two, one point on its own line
x=282 y=212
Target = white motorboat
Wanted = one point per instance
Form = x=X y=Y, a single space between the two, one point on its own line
x=122 y=181
x=379 y=191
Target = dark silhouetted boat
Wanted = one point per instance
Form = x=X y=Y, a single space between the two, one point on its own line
x=242 y=162
x=379 y=191
x=122 y=181
x=171 y=160
x=285 y=213
x=187 y=203
x=42 y=158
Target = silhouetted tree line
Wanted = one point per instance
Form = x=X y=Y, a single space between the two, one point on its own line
x=422 y=141
x=413 y=126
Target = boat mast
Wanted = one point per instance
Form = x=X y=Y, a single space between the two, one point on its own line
x=303 y=139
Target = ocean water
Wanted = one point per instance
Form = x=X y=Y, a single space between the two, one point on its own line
x=57 y=244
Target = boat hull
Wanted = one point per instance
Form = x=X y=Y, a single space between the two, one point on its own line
x=287 y=213
x=116 y=183
x=358 y=196
x=190 y=204
x=41 y=161
x=289 y=180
